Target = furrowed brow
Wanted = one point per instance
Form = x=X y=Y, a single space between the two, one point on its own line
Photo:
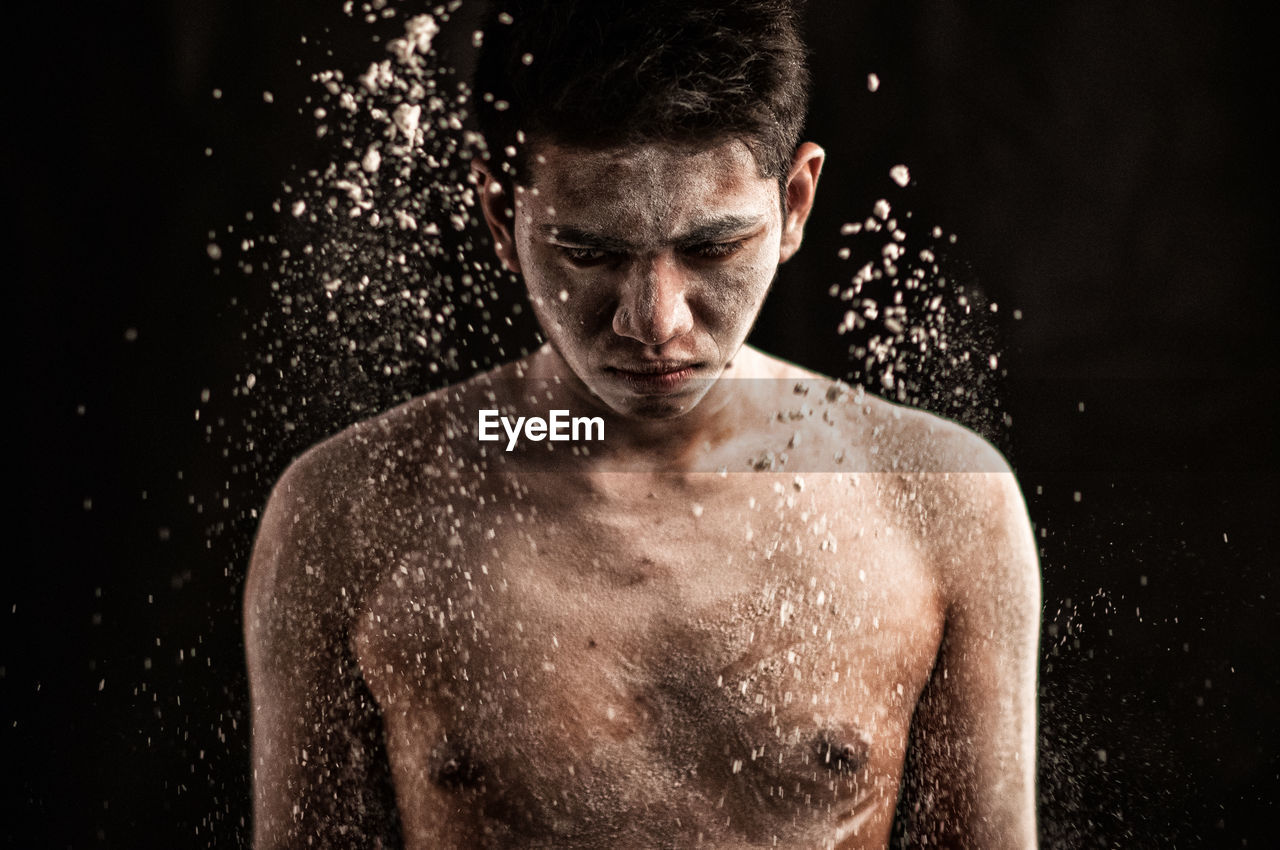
x=716 y=230
x=584 y=239
x=719 y=229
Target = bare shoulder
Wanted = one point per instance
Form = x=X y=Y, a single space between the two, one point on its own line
x=339 y=494
x=327 y=516
x=880 y=436
x=974 y=518
x=321 y=488
x=954 y=491
x=913 y=441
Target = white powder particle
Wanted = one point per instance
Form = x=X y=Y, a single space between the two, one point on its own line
x=377 y=77
x=420 y=30
x=406 y=118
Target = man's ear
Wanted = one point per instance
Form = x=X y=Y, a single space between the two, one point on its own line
x=802 y=183
x=498 y=207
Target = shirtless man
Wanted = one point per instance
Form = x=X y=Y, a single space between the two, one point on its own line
x=722 y=624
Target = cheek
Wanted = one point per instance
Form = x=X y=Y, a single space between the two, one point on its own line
x=561 y=289
x=541 y=273
x=559 y=296
x=733 y=295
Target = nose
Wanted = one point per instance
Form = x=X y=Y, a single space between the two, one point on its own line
x=652 y=306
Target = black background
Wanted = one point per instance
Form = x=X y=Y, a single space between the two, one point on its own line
x=1106 y=167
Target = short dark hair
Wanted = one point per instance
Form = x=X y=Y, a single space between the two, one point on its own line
x=609 y=73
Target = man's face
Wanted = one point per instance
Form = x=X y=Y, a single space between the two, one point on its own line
x=647 y=265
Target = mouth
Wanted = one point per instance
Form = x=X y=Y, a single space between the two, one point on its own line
x=655 y=376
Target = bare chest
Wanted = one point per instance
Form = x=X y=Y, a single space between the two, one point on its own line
x=735 y=666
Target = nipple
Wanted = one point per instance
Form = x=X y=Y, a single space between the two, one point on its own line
x=456 y=770
x=843 y=752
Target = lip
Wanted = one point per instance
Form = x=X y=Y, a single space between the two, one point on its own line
x=655 y=377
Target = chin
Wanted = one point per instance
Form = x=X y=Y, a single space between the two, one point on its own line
x=657 y=407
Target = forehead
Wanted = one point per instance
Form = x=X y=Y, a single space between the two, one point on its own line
x=647 y=187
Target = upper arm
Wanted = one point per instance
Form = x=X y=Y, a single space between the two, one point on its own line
x=319 y=765
x=972 y=771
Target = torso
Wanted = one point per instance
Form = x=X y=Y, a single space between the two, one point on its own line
x=648 y=660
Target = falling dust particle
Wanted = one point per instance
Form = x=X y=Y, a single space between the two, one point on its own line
x=873 y=82
x=900 y=175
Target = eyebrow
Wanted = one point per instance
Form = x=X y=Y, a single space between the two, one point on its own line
x=714 y=230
